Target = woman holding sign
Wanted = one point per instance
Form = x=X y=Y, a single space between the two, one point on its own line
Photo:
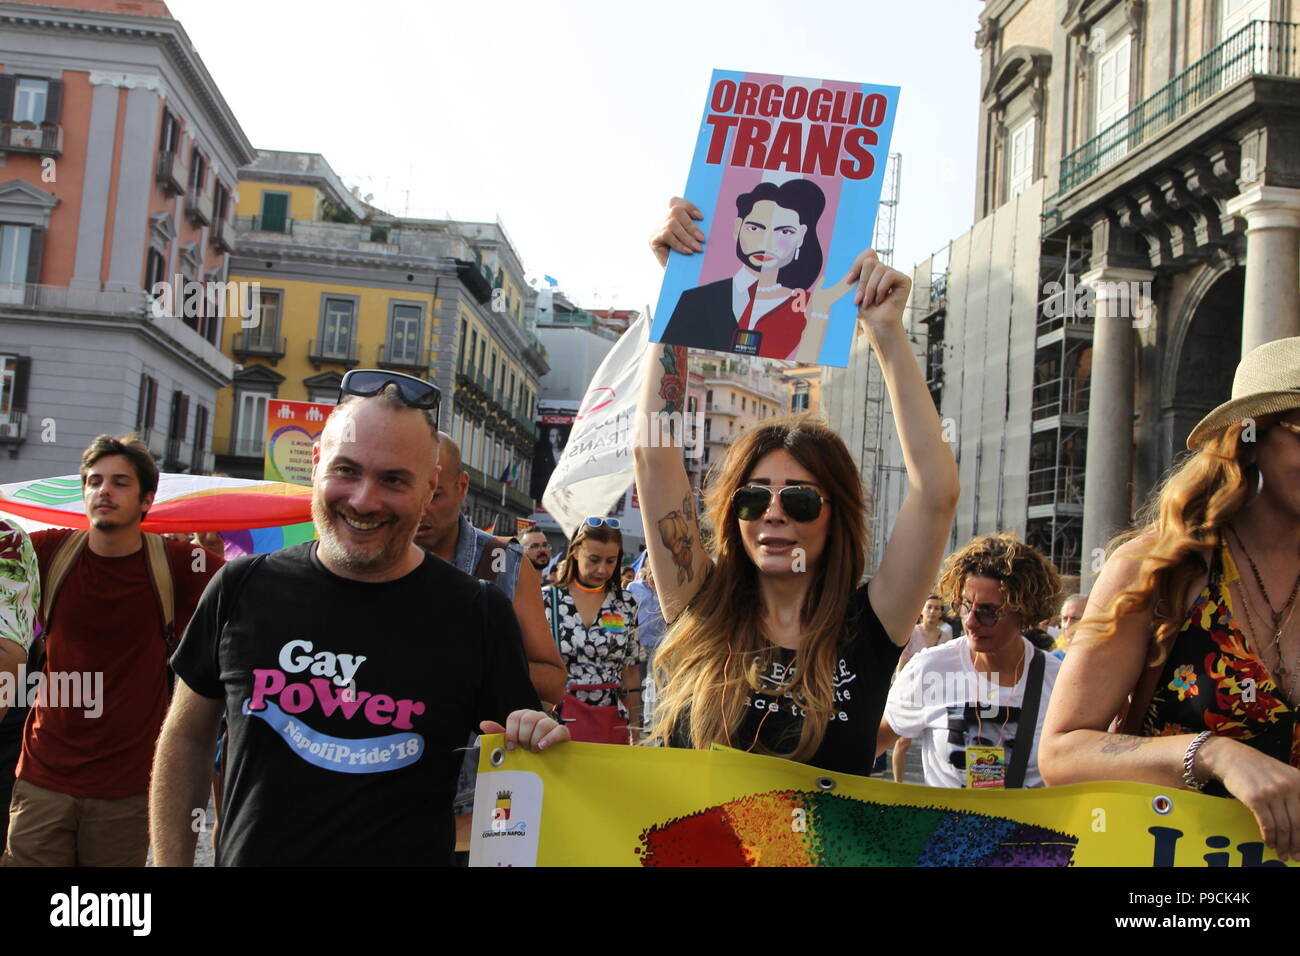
x=777 y=647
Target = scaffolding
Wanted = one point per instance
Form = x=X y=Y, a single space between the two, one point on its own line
x=1059 y=410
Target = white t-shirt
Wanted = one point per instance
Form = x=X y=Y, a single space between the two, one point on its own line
x=917 y=643
x=940 y=699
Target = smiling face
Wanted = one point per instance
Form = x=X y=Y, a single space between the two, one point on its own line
x=111 y=494
x=988 y=639
x=597 y=562
x=775 y=543
x=372 y=473
x=768 y=237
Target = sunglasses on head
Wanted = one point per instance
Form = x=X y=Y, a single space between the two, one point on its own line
x=799 y=502
x=415 y=392
x=596 y=522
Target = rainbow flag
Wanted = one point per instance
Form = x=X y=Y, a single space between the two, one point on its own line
x=182 y=503
x=266 y=540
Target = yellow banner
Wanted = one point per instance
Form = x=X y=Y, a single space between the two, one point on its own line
x=603 y=805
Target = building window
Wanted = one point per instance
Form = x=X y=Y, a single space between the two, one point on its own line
x=267 y=310
x=323 y=396
x=30 y=99
x=147 y=406
x=275 y=213
x=220 y=200
x=1020 y=158
x=198 y=171
x=170 y=139
x=404 y=334
x=460 y=354
x=200 y=440
x=15 y=261
x=14 y=372
x=250 y=423
x=337 y=328
x=1112 y=84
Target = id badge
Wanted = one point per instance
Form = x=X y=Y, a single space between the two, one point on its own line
x=986 y=768
x=746 y=342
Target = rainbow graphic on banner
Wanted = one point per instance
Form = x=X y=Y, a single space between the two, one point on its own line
x=183 y=503
x=801 y=828
x=266 y=540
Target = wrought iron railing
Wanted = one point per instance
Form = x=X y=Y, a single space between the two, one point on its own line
x=1260 y=47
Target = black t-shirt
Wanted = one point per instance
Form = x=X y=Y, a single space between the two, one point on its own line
x=346 y=702
x=862 y=674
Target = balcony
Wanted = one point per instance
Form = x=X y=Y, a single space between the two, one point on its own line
x=279 y=227
x=198 y=207
x=13 y=431
x=221 y=235
x=320 y=353
x=513 y=496
x=476 y=279
x=173 y=174
x=51 y=298
x=30 y=138
x=1259 y=48
x=403 y=360
x=234 y=446
x=255 y=342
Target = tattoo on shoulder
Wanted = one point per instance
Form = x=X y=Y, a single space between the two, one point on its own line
x=675 y=531
x=1122 y=743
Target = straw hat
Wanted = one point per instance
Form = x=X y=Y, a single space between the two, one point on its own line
x=1267 y=382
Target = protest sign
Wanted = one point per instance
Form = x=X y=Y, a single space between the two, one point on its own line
x=604 y=805
x=291 y=429
x=788 y=173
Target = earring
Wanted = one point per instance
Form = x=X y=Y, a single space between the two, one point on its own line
x=796 y=251
x=1259 y=488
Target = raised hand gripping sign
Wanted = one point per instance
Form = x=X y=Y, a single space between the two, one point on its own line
x=788 y=173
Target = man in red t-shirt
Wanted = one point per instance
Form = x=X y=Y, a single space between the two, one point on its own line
x=81 y=797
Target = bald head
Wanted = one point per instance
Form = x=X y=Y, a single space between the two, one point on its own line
x=440 y=524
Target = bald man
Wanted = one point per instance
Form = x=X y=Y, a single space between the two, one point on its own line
x=445 y=531
x=350 y=671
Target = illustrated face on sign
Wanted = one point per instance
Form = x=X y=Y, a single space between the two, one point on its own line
x=767 y=238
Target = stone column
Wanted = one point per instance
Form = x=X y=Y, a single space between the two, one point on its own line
x=1271 y=309
x=1121 y=305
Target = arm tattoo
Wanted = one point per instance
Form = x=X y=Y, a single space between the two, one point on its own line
x=672 y=384
x=675 y=531
x=1117 y=744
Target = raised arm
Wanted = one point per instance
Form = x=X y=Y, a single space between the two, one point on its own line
x=677 y=558
x=915 y=548
x=182 y=774
x=1096 y=679
x=545 y=666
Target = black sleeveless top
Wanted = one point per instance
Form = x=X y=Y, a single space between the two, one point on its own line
x=772 y=724
x=1213 y=679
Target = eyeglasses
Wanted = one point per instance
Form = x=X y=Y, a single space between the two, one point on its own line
x=596 y=522
x=415 y=392
x=986 y=615
x=799 y=502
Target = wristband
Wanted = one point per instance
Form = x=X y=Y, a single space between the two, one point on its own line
x=1190 y=779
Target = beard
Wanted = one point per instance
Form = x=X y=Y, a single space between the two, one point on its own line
x=385 y=552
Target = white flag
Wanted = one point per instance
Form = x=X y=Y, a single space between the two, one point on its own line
x=596 y=466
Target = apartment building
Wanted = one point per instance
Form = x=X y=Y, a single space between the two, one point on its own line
x=118 y=158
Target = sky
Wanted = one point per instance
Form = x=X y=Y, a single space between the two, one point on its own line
x=573 y=121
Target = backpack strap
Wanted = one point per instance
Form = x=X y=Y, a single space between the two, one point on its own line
x=555 y=615
x=1028 y=725
x=164 y=587
x=64 y=558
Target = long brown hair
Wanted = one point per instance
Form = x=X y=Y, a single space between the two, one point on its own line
x=601 y=533
x=1184 y=520
x=716 y=651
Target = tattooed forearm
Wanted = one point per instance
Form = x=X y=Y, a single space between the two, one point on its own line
x=1117 y=744
x=675 y=531
x=672 y=385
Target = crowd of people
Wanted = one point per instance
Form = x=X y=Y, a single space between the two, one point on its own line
x=335 y=719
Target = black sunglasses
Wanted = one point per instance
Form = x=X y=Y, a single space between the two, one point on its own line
x=415 y=392
x=799 y=502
